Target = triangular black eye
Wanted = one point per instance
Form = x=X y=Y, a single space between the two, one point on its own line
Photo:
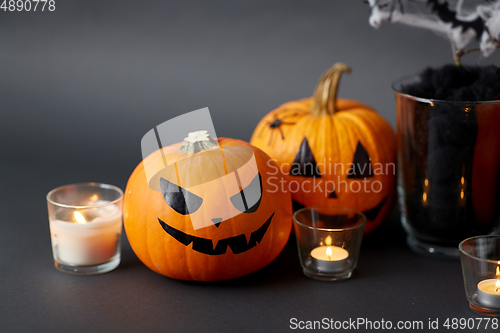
x=332 y=195
x=248 y=200
x=361 y=164
x=304 y=163
x=182 y=201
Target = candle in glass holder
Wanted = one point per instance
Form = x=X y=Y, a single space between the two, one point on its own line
x=85 y=227
x=488 y=292
x=328 y=258
x=88 y=238
x=328 y=240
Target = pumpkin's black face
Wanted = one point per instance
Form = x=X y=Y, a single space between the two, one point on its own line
x=238 y=244
x=305 y=164
x=246 y=201
x=356 y=183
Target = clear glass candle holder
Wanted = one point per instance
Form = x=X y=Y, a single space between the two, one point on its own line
x=480 y=257
x=85 y=227
x=328 y=240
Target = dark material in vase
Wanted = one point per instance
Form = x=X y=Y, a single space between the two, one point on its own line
x=449 y=168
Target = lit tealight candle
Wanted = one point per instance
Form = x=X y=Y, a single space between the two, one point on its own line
x=87 y=240
x=488 y=292
x=328 y=258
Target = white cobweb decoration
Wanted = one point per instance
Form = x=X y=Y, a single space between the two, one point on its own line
x=463 y=21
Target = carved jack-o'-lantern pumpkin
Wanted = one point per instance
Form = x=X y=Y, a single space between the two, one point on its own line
x=334 y=151
x=210 y=215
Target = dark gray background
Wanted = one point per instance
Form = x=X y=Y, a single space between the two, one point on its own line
x=80 y=86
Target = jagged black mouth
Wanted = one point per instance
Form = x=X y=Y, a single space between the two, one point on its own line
x=238 y=244
x=371 y=214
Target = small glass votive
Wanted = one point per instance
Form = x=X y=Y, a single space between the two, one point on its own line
x=328 y=240
x=480 y=257
x=85 y=227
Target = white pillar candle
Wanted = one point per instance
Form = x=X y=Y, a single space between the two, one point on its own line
x=329 y=259
x=89 y=237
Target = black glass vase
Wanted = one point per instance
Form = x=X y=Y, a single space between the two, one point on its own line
x=449 y=170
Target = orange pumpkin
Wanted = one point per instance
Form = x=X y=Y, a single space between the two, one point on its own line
x=178 y=231
x=333 y=151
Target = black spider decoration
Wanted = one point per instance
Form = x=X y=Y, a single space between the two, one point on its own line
x=276 y=123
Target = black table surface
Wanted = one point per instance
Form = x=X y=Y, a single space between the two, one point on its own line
x=80 y=86
x=391 y=283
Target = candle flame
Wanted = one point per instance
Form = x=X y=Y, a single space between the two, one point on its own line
x=498 y=278
x=79 y=218
x=329 y=251
x=328 y=242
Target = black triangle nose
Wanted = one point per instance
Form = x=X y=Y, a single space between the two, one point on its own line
x=216 y=221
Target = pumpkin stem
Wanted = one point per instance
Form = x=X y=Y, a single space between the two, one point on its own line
x=325 y=95
x=197 y=141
